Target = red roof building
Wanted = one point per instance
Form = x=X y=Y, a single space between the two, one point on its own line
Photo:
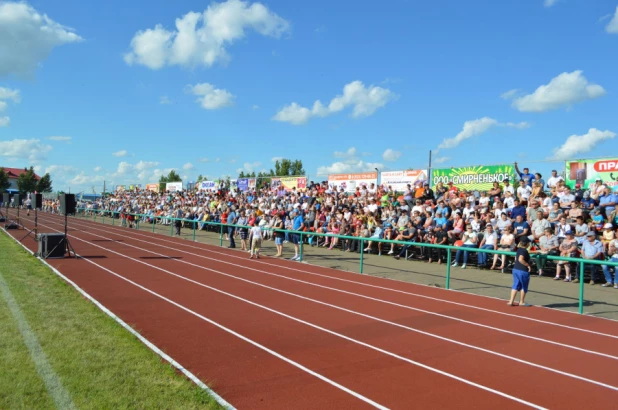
x=14 y=173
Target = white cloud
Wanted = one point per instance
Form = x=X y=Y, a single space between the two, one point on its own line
x=352 y=165
x=564 y=90
x=188 y=166
x=121 y=153
x=145 y=165
x=200 y=39
x=232 y=161
x=249 y=167
x=217 y=159
x=612 y=26
x=203 y=160
x=439 y=160
x=509 y=94
x=477 y=127
x=578 y=144
x=255 y=107
x=63 y=139
x=32 y=149
x=7 y=93
x=470 y=129
x=363 y=100
x=275 y=159
x=211 y=98
x=97 y=169
x=164 y=100
x=391 y=155
x=27 y=38
x=549 y=3
x=350 y=153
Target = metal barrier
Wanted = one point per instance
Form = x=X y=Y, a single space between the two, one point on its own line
x=303 y=235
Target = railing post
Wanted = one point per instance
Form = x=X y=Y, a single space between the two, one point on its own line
x=194 y=224
x=172 y=227
x=448 y=268
x=300 y=245
x=362 y=250
x=113 y=219
x=154 y=222
x=221 y=235
x=581 y=287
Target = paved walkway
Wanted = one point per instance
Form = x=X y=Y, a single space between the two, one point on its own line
x=544 y=291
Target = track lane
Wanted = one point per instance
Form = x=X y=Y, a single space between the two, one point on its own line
x=421 y=385
x=597 y=369
x=476 y=359
x=602 y=343
x=543 y=316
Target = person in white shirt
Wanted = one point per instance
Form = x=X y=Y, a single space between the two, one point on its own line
x=554 y=179
x=256 y=241
x=523 y=191
x=490 y=241
x=470 y=240
x=508 y=187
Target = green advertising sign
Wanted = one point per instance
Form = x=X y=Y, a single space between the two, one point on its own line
x=587 y=171
x=478 y=178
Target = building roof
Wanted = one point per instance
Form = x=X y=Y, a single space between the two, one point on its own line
x=16 y=172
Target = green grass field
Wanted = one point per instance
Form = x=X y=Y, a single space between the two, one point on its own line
x=99 y=363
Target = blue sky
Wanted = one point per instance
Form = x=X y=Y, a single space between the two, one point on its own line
x=480 y=82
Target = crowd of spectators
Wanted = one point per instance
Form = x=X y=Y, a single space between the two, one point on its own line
x=557 y=219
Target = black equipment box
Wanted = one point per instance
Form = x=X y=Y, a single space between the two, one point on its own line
x=52 y=245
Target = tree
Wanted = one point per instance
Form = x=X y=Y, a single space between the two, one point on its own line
x=44 y=184
x=26 y=182
x=171 y=177
x=242 y=174
x=201 y=178
x=287 y=167
x=252 y=175
x=4 y=181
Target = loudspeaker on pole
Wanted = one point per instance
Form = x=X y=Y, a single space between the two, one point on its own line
x=67 y=204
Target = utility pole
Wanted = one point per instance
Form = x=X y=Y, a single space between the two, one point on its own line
x=429 y=171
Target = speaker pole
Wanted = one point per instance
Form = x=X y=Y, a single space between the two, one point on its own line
x=35 y=230
x=69 y=247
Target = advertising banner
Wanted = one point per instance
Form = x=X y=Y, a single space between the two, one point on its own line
x=289 y=183
x=478 y=178
x=173 y=186
x=152 y=187
x=587 y=171
x=208 y=186
x=246 y=184
x=399 y=180
x=349 y=182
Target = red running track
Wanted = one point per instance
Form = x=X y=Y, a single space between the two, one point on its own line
x=271 y=333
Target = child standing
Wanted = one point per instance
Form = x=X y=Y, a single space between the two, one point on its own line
x=256 y=240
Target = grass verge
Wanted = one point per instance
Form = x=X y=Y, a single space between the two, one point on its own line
x=99 y=363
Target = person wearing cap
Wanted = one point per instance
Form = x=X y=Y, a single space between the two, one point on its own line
x=608 y=235
x=521 y=273
x=592 y=249
x=607 y=201
x=568 y=248
x=612 y=251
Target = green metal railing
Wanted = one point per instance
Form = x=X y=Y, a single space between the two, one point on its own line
x=302 y=235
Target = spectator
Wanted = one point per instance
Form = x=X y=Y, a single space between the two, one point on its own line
x=507 y=243
x=526 y=176
x=607 y=202
x=568 y=248
x=554 y=179
x=548 y=245
x=489 y=241
x=508 y=187
x=255 y=236
x=592 y=249
x=521 y=228
x=521 y=273
x=298 y=224
x=613 y=252
x=470 y=240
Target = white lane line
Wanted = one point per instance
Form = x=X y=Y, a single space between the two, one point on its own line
x=372 y=347
x=61 y=397
x=550 y=369
x=539 y=339
x=207 y=248
x=148 y=343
